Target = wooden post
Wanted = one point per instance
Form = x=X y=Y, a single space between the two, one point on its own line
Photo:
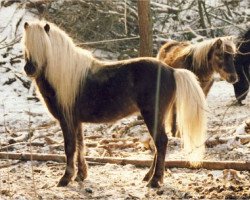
x=145 y=28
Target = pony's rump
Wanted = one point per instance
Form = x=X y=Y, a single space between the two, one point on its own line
x=170 y=50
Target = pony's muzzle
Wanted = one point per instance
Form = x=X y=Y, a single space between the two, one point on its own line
x=29 y=68
x=232 y=78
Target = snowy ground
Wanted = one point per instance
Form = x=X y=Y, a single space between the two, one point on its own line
x=31 y=180
x=26 y=180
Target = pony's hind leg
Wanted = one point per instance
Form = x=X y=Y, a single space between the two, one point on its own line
x=156 y=171
x=70 y=149
x=172 y=121
x=82 y=165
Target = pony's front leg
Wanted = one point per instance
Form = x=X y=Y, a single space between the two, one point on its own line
x=206 y=86
x=82 y=165
x=69 y=135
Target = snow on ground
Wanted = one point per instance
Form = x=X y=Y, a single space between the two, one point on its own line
x=30 y=180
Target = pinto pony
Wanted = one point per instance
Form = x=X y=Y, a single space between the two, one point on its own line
x=78 y=88
x=204 y=59
x=242 y=63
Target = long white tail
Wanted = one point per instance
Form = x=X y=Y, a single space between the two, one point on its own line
x=191 y=114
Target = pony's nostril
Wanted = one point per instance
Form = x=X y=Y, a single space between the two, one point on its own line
x=233 y=79
x=236 y=79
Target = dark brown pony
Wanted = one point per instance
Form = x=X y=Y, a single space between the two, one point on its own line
x=242 y=65
x=78 y=88
x=204 y=59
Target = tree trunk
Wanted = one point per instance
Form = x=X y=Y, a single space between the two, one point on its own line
x=202 y=20
x=145 y=28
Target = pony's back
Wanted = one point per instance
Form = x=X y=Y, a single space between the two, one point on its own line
x=171 y=53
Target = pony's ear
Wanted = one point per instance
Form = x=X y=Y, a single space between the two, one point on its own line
x=26 y=25
x=218 y=44
x=46 y=28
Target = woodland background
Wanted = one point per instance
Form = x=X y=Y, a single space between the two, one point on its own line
x=112 y=25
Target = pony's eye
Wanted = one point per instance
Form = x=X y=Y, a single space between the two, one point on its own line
x=220 y=55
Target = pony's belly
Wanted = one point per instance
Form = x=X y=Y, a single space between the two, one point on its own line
x=105 y=118
x=107 y=113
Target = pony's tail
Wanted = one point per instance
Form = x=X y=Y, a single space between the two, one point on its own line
x=191 y=114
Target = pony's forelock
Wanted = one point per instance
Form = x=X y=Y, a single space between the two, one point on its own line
x=37 y=45
x=229 y=41
x=66 y=64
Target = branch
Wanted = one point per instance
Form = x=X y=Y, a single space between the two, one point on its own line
x=208 y=19
x=224 y=20
x=22 y=138
x=159 y=7
x=214 y=142
x=11 y=147
x=11 y=43
x=117 y=145
x=210 y=165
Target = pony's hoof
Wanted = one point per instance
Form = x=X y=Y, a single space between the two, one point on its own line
x=153 y=184
x=238 y=103
x=80 y=177
x=146 y=178
x=63 y=182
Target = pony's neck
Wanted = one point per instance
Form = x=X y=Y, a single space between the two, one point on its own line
x=205 y=73
x=66 y=72
x=44 y=86
x=204 y=70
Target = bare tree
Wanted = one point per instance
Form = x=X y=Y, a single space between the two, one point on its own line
x=145 y=28
x=201 y=14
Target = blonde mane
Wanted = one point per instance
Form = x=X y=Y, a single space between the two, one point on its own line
x=65 y=65
x=199 y=51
